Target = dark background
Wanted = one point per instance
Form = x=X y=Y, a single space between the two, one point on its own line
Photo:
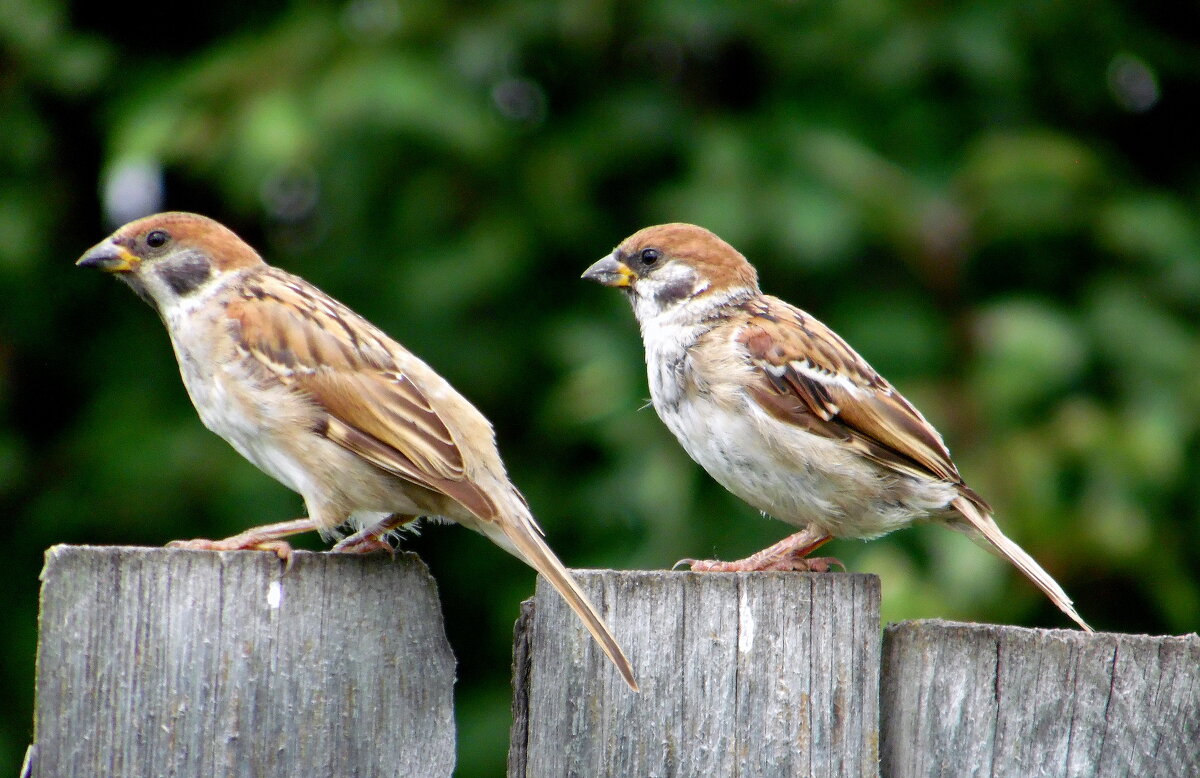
x=994 y=202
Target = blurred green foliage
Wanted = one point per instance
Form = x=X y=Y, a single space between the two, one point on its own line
x=995 y=202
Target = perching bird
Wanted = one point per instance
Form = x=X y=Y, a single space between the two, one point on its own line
x=783 y=413
x=324 y=402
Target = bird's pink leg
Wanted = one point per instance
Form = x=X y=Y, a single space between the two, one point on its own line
x=372 y=538
x=264 y=538
x=787 y=555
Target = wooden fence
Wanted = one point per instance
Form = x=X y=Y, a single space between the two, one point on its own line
x=168 y=662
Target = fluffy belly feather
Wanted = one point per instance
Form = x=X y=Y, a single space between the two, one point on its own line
x=799 y=477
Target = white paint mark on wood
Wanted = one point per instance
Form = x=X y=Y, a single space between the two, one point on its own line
x=274 y=595
x=745 y=635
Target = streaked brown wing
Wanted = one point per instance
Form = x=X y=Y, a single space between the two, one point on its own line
x=812 y=378
x=388 y=407
x=356 y=375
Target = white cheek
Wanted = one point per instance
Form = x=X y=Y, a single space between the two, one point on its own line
x=669 y=288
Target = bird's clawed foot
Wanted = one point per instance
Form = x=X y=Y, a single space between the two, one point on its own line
x=372 y=538
x=264 y=538
x=817 y=564
x=362 y=543
x=243 y=542
x=788 y=555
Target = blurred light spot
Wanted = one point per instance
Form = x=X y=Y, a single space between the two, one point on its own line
x=371 y=19
x=133 y=188
x=520 y=100
x=291 y=193
x=1132 y=83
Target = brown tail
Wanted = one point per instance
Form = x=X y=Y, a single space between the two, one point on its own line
x=522 y=533
x=984 y=525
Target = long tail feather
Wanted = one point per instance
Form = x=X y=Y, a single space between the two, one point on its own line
x=984 y=524
x=522 y=535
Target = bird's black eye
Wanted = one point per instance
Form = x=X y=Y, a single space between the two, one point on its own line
x=649 y=256
x=157 y=239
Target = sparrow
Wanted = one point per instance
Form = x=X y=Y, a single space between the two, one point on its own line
x=325 y=402
x=784 y=413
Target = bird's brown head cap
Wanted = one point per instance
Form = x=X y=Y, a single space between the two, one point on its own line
x=674 y=262
x=170 y=256
x=169 y=234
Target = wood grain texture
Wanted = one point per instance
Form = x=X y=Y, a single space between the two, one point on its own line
x=742 y=674
x=157 y=662
x=975 y=700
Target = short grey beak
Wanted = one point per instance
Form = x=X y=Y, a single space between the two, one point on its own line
x=611 y=271
x=108 y=257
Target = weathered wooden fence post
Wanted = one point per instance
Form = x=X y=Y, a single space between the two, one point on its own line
x=978 y=699
x=157 y=662
x=763 y=674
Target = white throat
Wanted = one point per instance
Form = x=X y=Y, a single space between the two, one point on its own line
x=668 y=332
x=177 y=310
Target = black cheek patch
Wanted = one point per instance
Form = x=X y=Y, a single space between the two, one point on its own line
x=674 y=291
x=187 y=274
